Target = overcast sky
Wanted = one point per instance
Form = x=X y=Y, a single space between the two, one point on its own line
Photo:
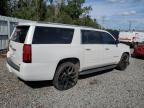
x=117 y=14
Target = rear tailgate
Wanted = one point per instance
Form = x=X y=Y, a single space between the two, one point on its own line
x=16 y=44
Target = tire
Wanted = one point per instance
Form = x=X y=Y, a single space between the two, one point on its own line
x=124 y=62
x=66 y=76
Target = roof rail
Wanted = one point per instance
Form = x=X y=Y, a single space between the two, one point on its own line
x=62 y=24
x=54 y=23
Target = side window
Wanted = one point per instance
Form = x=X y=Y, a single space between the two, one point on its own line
x=107 y=39
x=91 y=37
x=52 y=35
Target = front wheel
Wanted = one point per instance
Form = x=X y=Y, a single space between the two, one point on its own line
x=66 y=76
x=124 y=62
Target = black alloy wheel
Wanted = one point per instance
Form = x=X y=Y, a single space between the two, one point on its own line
x=66 y=76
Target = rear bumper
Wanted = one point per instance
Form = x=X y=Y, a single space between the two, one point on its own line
x=32 y=72
x=17 y=73
x=13 y=65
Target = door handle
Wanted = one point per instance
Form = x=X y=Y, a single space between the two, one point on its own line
x=107 y=49
x=87 y=49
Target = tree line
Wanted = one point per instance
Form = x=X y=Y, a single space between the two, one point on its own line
x=58 y=11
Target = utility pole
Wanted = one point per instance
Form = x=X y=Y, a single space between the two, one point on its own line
x=130 y=25
x=103 y=21
x=57 y=2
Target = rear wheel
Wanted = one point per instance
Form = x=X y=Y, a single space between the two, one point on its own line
x=124 y=62
x=66 y=76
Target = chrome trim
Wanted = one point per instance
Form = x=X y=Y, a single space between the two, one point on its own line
x=12 y=64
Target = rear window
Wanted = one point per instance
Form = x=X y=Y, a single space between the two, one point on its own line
x=52 y=35
x=20 y=34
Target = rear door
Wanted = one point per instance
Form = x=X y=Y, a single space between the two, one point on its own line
x=50 y=44
x=16 y=44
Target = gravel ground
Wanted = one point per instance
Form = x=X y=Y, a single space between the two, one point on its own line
x=109 y=89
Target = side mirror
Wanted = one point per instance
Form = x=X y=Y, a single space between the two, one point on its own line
x=117 y=41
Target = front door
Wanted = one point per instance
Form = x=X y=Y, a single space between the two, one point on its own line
x=93 y=49
x=111 y=52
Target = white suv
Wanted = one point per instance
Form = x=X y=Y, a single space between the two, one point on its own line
x=61 y=52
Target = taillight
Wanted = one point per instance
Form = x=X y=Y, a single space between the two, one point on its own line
x=27 y=53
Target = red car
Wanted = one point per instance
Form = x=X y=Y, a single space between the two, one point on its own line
x=139 y=50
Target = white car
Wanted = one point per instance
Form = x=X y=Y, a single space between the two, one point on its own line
x=61 y=53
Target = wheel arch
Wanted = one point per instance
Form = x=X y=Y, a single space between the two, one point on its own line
x=126 y=53
x=74 y=60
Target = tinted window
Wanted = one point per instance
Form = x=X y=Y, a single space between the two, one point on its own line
x=107 y=39
x=20 y=34
x=51 y=35
x=91 y=37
